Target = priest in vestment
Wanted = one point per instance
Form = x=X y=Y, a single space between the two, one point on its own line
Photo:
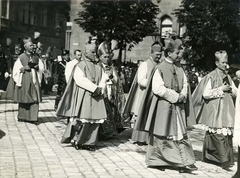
x=138 y=88
x=168 y=115
x=70 y=65
x=110 y=127
x=214 y=108
x=27 y=75
x=83 y=100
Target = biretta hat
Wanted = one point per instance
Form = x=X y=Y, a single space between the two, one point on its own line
x=175 y=44
x=103 y=48
x=27 y=42
x=90 y=46
x=238 y=74
x=156 y=47
x=65 y=52
x=221 y=54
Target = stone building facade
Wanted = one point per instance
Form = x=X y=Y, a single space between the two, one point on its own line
x=166 y=21
x=21 y=18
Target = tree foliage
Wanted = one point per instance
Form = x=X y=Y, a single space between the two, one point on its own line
x=128 y=22
x=210 y=25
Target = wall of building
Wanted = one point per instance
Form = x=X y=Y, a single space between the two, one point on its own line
x=140 y=51
x=78 y=36
x=14 y=29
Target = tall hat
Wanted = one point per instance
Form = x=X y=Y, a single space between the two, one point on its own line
x=238 y=74
x=221 y=55
x=175 y=44
x=90 y=46
x=65 y=52
x=156 y=47
x=103 y=48
x=27 y=41
x=36 y=35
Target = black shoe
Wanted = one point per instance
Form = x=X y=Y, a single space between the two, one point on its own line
x=20 y=120
x=141 y=143
x=226 y=166
x=36 y=122
x=192 y=167
x=88 y=147
x=76 y=147
x=161 y=168
x=187 y=169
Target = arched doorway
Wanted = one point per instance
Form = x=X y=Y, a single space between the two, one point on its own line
x=166 y=29
x=166 y=26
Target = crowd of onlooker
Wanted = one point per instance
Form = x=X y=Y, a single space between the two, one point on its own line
x=127 y=70
x=193 y=73
x=127 y=74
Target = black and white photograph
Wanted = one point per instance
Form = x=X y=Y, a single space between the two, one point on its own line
x=119 y=88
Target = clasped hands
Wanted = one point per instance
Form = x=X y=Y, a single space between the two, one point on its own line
x=226 y=88
x=181 y=98
x=109 y=80
x=97 y=92
x=28 y=68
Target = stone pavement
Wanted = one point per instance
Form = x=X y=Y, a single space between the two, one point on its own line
x=35 y=151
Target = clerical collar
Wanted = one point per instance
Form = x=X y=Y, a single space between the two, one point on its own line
x=74 y=59
x=221 y=72
x=87 y=59
x=27 y=53
x=153 y=60
x=169 y=61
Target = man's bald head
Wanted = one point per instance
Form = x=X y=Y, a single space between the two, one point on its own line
x=238 y=74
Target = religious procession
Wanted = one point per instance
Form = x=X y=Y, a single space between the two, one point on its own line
x=155 y=104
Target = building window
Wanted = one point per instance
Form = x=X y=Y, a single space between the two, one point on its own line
x=25 y=18
x=34 y=20
x=166 y=27
x=182 y=30
x=5 y=9
x=29 y=16
x=44 y=17
x=55 y=19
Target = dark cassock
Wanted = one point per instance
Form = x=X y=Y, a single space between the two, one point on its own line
x=169 y=111
x=214 y=108
x=137 y=91
x=27 y=76
x=83 y=100
x=3 y=70
x=61 y=65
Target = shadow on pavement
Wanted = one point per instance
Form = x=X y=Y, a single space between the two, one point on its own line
x=117 y=140
x=2 y=134
x=48 y=98
x=198 y=155
x=10 y=110
x=2 y=101
x=42 y=120
x=46 y=110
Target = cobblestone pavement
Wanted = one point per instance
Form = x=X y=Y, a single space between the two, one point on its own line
x=35 y=151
